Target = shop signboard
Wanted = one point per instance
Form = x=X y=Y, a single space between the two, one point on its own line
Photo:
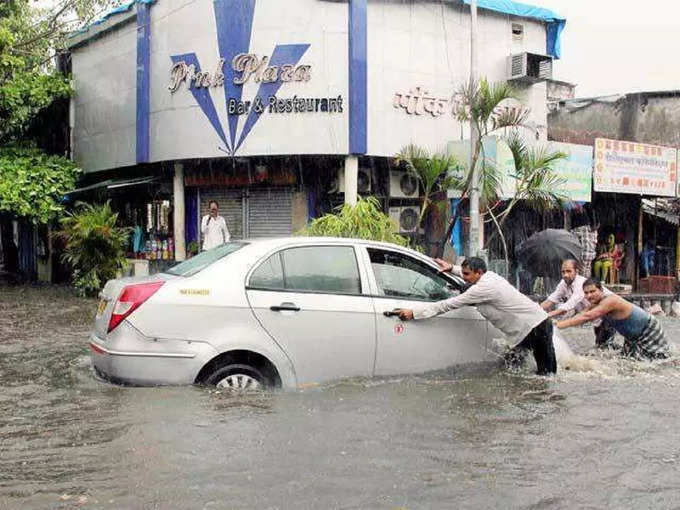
x=637 y=168
x=252 y=83
x=495 y=153
x=576 y=170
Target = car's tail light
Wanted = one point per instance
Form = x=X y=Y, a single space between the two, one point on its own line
x=130 y=299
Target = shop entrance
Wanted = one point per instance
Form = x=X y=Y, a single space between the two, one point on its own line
x=251 y=213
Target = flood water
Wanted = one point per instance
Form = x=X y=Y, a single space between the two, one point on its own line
x=603 y=434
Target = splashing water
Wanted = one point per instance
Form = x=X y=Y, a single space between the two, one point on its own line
x=601 y=364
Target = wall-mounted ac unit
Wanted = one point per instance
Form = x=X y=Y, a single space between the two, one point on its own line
x=529 y=68
x=337 y=184
x=403 y=185
x=406 y=218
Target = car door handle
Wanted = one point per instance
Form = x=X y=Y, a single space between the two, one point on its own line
x=391 y=313
x=285 y=307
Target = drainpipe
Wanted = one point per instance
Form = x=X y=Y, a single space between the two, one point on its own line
x=474 y=244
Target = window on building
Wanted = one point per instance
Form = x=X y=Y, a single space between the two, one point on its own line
x=517 y=31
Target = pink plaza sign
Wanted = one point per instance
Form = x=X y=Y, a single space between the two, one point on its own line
x=637 y=168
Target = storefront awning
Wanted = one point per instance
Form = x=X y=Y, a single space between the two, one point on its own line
x=661 y=208
x=113 y=184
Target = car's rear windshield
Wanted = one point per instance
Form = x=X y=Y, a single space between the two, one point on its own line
x=199 y=262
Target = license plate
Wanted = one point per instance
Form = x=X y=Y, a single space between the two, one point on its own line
x=101 y=307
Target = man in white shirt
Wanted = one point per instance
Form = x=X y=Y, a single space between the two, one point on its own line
x=214 y=228
x=569 y=299
x=525 y=324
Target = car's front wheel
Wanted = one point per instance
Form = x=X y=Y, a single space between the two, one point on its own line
x=238 y=377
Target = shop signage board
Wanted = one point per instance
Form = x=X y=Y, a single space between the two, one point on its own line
x=637 y=168
x=260 y=86
x=496 y=153
x=576 y=170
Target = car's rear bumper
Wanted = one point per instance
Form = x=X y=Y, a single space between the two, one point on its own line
x=128 y=357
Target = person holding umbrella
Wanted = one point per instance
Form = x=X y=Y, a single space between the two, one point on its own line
x=542 y=253
x=568 y=299
x=525 y=324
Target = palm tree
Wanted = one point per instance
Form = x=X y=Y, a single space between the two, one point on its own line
x=488 y=106
x=432 y=171
x=535 y=182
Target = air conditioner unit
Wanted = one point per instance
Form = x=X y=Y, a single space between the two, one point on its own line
x=529 y=68
x=403 y=185
x=337 y=184
x=364 y=180
x=406 y=218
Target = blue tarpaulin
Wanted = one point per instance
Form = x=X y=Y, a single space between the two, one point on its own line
x=118 y=10
x=555 y=23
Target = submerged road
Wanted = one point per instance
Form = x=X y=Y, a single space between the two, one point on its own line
x=603 y=433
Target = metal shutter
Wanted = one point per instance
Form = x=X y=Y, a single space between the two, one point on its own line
x=270 y=213
x=231 y=207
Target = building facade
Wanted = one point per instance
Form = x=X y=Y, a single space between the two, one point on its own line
x=635 y=139
x=280 y=110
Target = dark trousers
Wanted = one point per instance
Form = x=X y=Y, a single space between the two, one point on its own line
x=604 y=336
x=540 y=342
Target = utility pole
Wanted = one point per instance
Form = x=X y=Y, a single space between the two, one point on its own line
x=473 y=247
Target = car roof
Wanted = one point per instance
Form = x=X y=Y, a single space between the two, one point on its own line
x=262 y=245
x=274 y=242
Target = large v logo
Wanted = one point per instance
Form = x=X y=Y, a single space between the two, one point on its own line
x=234 y=20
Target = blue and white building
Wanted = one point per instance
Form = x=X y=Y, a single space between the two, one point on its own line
x=277 y=108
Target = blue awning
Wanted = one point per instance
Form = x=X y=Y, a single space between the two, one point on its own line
x=555 y=23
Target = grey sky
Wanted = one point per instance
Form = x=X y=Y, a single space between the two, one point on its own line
x=612 y=46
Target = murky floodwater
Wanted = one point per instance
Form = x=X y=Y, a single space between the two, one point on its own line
x=604 y=434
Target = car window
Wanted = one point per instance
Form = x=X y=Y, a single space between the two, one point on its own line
x=401 y=276
x=322 y=269
x=269 y=275
x=199 y=262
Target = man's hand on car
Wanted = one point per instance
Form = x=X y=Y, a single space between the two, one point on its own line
x=405 y=314
x=444 y=267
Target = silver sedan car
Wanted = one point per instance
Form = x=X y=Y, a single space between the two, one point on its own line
x=285 y=312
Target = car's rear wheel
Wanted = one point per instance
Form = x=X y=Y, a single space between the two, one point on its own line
x=238 y=378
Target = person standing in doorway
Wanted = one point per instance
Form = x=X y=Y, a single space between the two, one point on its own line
x=214 y=228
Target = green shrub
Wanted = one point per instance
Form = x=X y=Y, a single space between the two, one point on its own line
x=94 y=246
x=365 y=220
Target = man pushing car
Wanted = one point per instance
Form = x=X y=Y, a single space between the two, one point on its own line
x=525 y=324
x=642 y=332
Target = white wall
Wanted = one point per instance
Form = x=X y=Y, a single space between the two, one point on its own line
x=427 y=45
x=104 y=100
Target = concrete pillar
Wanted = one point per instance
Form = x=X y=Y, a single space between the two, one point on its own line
x=351 y=176
x=178 y=197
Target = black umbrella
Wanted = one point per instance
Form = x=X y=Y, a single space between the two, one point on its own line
x=543 y=252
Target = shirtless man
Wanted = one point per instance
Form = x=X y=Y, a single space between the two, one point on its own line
x=642 y=332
